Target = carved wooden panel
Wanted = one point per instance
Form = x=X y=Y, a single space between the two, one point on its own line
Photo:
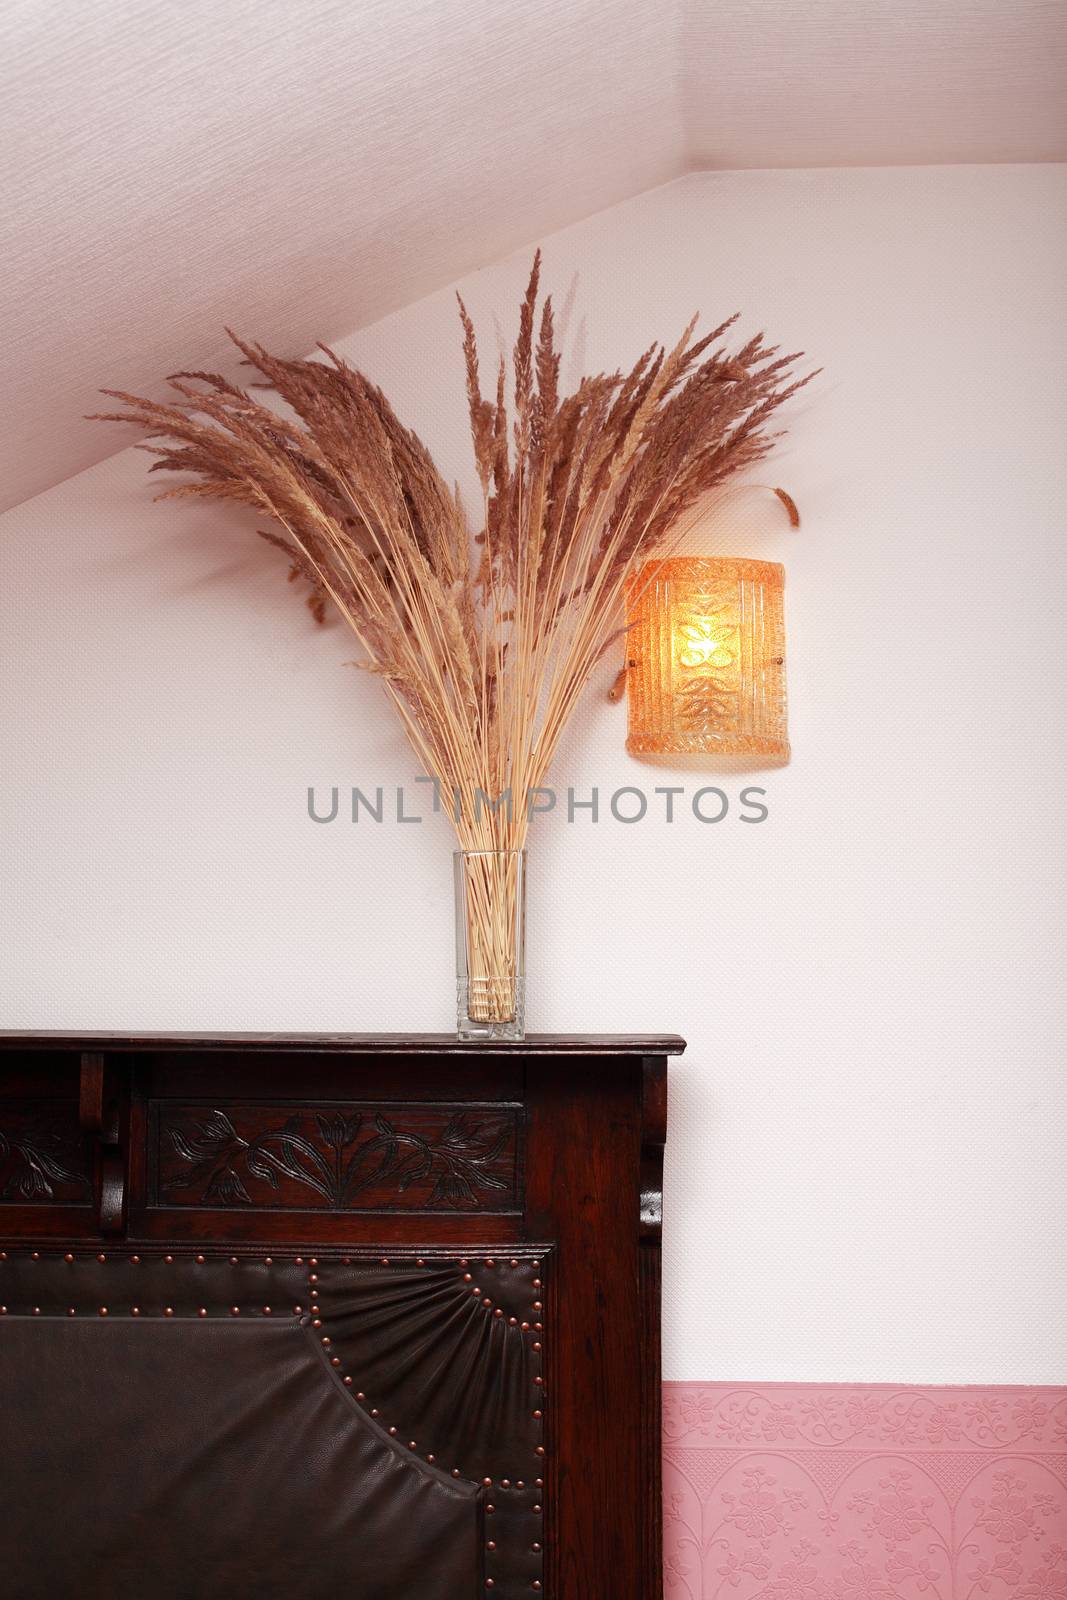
x=350 y=1156
x=45 y=1158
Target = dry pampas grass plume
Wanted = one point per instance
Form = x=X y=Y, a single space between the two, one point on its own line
x=483 y=636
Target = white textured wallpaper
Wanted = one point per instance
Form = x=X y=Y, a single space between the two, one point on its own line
x=168 y=167
x=869 y=1133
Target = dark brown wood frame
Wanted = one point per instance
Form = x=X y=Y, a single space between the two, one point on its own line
x=535 y=1166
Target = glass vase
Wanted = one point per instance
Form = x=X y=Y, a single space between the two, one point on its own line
x=490 y=943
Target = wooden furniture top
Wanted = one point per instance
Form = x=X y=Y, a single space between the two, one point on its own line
x=406 y=1044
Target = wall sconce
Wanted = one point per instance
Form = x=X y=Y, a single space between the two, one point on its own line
x=706 y=657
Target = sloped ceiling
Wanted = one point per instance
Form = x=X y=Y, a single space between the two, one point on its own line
x=301 y=167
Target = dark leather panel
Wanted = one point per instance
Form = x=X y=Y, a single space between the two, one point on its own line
x=449 y=1354
x=196 y=1458
x=436 y=1360
x=187 y=1281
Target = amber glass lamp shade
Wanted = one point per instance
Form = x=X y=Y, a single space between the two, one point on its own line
x=706 y=658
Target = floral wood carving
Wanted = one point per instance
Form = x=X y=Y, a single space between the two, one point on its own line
x=462 y=1158
x=43 y=1156
x=828 y=1492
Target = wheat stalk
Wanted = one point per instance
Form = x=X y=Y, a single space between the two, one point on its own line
x=483 y=643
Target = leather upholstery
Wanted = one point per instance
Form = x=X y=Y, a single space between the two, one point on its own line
x=191 y=1457
x=450 y=1353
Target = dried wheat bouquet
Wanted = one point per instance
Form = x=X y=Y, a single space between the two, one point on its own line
x=482 y=636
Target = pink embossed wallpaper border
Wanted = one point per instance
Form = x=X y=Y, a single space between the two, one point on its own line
x=780 y=1491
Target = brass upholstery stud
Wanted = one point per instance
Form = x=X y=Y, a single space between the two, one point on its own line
x=71 y=1311
x=168 y=1260
x=235 y=1311
x=103 y=1310
x=35 y=1255
x=135 y=1311
x=202 y=1312
x=200 y=1260
x=266 y=1311
x=335 y=1361
x=168 y=1311
x=68 y=1256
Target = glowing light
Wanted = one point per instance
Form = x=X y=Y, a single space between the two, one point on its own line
x=706 y=658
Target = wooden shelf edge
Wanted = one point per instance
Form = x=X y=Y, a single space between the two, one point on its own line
x=535 y=1044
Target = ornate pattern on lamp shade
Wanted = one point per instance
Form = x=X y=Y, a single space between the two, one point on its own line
x=706 y=657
